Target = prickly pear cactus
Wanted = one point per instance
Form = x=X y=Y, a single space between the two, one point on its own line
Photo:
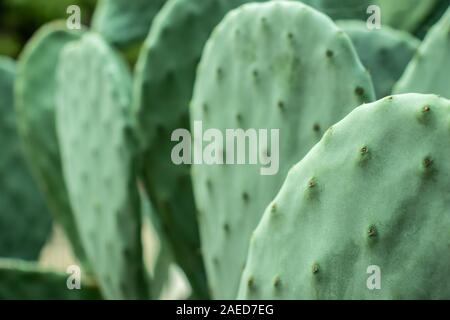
x=165 y=75
x=428 y=71
x=405 y=14
x=35 y=109
x=122 y=22
x=95 y=131
x=21 y=280
x=277 y=65
x=25 y=222
x=385 y=52
x=366 y=208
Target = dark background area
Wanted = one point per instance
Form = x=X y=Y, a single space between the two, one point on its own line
x=19 y=19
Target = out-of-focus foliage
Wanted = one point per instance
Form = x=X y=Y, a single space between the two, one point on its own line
x=19 y=19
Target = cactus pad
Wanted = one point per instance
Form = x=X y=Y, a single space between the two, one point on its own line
x=95 y=131
x=165 y=75
x=35 y=109
x=21 y=280
x=25 y=223
x=405 y=15
x=428 y=71
x=277 y=65
x=122 y=22
x=385 y=52
x=372 y=194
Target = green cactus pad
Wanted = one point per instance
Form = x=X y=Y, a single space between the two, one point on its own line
x=123 y=22
x=428 y=71
x=405 y=14
x=25 y=223
x=95 y=131
x=21 y=280
x=165 y=75
x=278 y=65
x=373 y=193
x=35 y=110
x=385 y=52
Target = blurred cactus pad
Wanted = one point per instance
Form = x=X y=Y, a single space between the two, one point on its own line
x=224 y=149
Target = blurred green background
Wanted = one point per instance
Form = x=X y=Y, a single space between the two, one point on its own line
x=19 y=19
